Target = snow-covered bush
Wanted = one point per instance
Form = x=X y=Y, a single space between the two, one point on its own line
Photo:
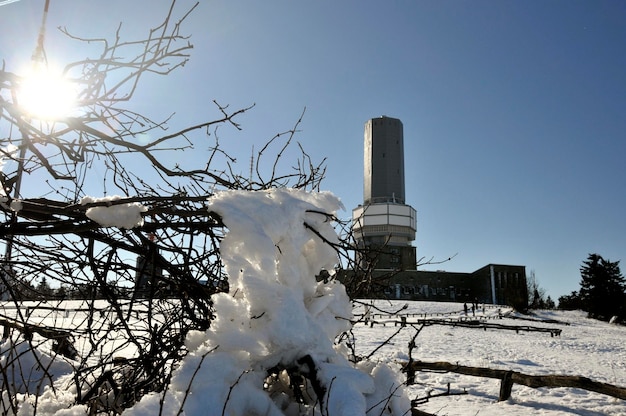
x=271 y=350
x=147 y=267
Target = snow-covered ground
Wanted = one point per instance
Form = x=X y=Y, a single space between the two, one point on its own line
x=585 y=347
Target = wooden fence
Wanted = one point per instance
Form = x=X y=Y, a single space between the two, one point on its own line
x=513 y=377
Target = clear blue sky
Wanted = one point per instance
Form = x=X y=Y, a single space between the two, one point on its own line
x=514 y=112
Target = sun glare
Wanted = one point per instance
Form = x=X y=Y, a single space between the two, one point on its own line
x=46 y=95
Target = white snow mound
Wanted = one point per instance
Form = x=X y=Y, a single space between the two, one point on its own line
x=277 y=319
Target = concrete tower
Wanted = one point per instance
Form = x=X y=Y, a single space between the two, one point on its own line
x=383 y=167
x=384 y=224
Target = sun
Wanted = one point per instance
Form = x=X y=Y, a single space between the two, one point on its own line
x=45 y=94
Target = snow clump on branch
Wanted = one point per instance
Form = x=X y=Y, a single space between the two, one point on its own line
x=127 y=215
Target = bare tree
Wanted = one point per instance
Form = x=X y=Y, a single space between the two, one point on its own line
x=148 y=285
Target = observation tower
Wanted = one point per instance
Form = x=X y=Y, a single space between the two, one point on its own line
x=384 y=224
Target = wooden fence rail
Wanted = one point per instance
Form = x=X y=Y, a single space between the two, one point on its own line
x=63 y=340
x=511 y=377
x=464 y=323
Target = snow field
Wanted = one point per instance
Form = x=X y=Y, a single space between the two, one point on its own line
x=586 y=347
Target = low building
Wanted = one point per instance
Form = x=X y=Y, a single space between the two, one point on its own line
x=498 y=284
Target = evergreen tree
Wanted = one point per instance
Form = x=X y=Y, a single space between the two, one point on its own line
x=61 y=293
x=570 y=302
x=43 y=288
x=602 y=288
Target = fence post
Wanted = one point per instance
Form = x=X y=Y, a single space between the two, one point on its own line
x=506 y=386
x=6 y=331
